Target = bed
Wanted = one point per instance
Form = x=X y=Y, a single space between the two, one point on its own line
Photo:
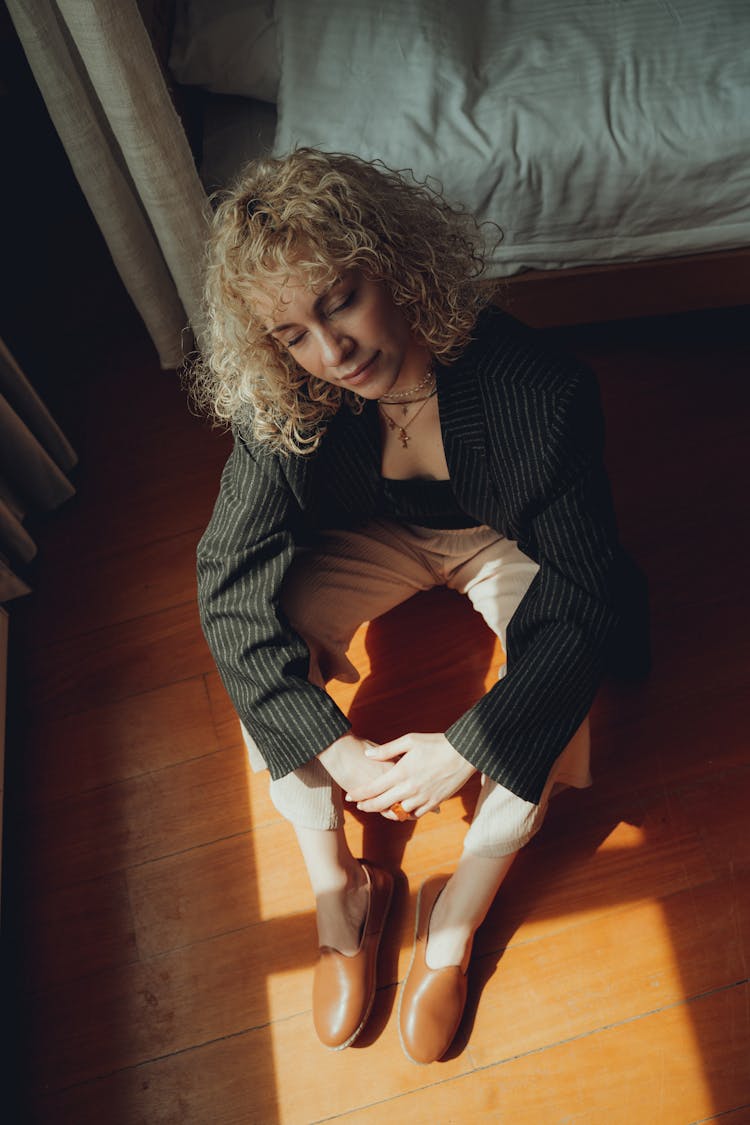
x=605 y=142
x=590 y=133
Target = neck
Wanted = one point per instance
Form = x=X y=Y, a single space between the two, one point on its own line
x=411 y=390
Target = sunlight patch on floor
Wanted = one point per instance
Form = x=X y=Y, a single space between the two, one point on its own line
x=624 y=837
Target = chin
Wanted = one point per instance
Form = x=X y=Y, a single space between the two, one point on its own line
x=375 y=392
x=376 y=388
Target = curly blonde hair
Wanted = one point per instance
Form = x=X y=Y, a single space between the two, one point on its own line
x=321 y=214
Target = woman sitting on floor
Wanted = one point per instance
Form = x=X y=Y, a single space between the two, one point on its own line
x=393 y=431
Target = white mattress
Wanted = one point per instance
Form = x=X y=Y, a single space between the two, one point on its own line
x=590 y=131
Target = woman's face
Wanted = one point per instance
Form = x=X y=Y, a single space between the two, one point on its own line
x=350 y=334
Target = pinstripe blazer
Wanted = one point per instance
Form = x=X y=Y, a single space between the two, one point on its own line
x=523 y=436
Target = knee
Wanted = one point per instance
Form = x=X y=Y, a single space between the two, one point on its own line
x=308 y=797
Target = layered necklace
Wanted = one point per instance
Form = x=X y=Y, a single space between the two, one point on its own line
x=405 y=399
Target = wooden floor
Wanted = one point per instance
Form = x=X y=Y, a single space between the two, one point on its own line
x=159 y=928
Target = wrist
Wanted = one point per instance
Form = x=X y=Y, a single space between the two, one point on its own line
x=339 y=750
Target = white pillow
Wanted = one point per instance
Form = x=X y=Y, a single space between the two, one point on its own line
x=227 y=46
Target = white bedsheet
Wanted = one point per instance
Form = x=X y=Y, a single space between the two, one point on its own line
x=590 y=131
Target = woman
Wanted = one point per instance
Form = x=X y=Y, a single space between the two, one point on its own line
x=392 y=432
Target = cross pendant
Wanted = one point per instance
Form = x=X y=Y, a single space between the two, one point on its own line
x=404 y=437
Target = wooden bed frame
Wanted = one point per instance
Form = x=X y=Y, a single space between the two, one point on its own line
x=618 y=291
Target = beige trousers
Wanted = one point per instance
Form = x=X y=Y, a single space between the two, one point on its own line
x=355 y=576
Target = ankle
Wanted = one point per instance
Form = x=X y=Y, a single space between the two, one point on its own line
x=345 y=878
x=449 y=946
x=450 y=935
x=341 y=914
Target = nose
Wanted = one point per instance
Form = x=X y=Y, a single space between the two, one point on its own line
x=334 y=346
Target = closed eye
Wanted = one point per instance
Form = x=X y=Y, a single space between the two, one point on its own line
x=348 y=300
x=343 y=304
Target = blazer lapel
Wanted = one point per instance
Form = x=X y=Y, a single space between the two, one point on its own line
x=347 y=468
x=463 y=423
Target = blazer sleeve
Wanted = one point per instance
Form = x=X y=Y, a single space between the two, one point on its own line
x=243 y=557
x=558 y=637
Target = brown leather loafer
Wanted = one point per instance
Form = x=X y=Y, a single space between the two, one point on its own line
x=344 y=986
x=432 y=1000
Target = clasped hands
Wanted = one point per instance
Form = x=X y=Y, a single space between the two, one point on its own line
x=416 y=771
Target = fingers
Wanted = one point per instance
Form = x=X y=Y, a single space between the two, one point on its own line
x=420 y=812
x=397 y=813
x=381 y=801
x=392 y=788
x=371 y=791
x=382 y=794
x=393 y=812
x=387 y=750
x=397 y=804
x=413 y=780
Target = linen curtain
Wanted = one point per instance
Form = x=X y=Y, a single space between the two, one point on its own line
x=104 y=88
x=34 y=457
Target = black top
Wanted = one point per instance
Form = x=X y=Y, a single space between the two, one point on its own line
x=427 y=503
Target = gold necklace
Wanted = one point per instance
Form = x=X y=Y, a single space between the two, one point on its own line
x=397 y=396
x=394 y=425
x=409 y=401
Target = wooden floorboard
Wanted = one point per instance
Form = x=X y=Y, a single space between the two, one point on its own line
x=159 y=928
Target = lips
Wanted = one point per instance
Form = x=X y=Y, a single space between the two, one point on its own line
x=360 y=373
